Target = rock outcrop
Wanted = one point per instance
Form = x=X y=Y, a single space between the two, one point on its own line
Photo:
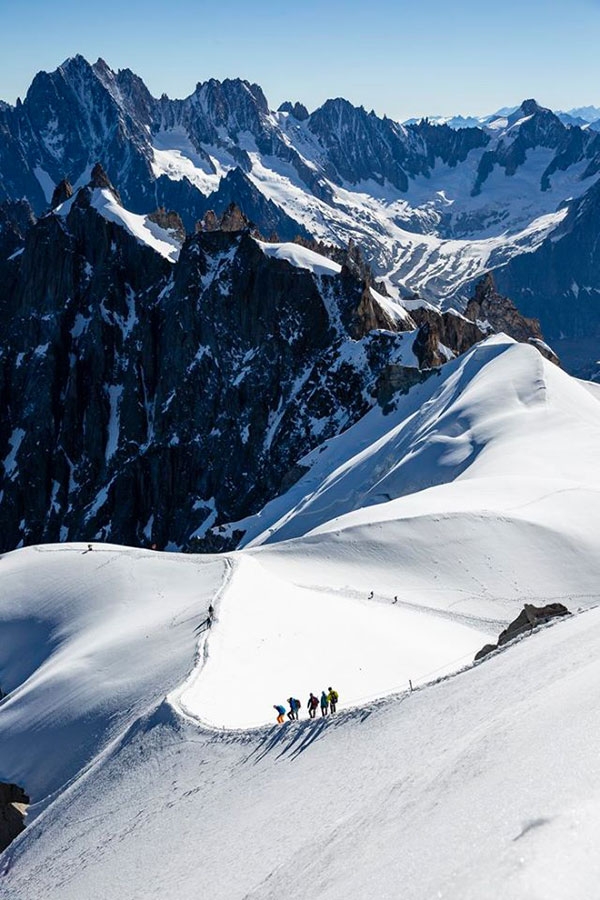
x=297 y=110
x=13 y=806
x=170 y=221
x=99 y=179
x=495 y=313
x=232 y=219
x=62 y=192
x=442 y=336
x=529 y=618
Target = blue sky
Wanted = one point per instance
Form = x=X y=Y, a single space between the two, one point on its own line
x=400 y=58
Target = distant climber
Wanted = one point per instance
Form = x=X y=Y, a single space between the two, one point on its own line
x=280 y=712
x=294 y=708
x=395 y=599
x=333 y=698
x=371 y=595
x=312 y=704
x=324 y=703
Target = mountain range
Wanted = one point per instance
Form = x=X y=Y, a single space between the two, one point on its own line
x=432 y=207
x=156 y=388
x=583 y=116
x=284 y=347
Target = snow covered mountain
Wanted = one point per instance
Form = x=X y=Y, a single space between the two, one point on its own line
x=156 y=390
x=388 y=480
x=433 y=207
x=140 y=737
x=582 y=116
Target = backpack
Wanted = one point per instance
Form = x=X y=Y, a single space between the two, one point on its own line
x=313 y=702
x=334 y=696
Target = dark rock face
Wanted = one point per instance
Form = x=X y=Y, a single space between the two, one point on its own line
x=233 y=219
x=99 y=179
x=145 y=401
x=559 y=283
x=62 y=192
x=360 y=145
x=442 y=336
x=297 y=110
x=16 y=218
x=13 y=804
x=497 y=313
x=535 y=126
x=529 y=618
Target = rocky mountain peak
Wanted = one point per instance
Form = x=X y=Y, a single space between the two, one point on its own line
x=233 y=219
x=530 y=108
x=485 y=290
x=62 y=192
x=233 y=100
x=77 y=63
x=99 y=179
x=170 y=221
x=541 y=123
x=297 y=110
x=495 y=313
x=102 y=66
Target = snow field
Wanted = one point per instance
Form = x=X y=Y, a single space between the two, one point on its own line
x=142 y=229
x=89 y=642
x=141 y=737
x=301 y=258
x=274 y=639
x=483 y=785
x=500 y=432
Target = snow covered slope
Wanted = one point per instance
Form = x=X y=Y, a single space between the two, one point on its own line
x=499 y=431
x=134 y=727
x=106 y=202
x=91 y=641
x=142 y=229
x=480 y=786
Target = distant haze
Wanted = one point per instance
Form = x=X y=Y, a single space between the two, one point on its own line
x=391 y=56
